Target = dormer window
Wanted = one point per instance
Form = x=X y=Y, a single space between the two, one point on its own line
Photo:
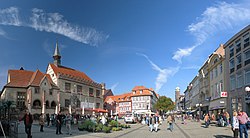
x=140 y=91
x=133 y=92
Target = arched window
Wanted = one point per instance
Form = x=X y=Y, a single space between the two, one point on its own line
x=47 y=104
x=37 y=103
x=53 y=104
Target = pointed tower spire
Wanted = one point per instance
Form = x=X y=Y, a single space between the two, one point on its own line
x=57 y=56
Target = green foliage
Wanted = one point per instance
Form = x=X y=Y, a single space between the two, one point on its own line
x=106 y=129
x=116 y=128
x=164 y=103
x=88 y=125
x=99 y=127
x=114 y=123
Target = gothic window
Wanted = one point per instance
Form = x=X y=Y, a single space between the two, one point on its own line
x=53 y=104
x=37 y=103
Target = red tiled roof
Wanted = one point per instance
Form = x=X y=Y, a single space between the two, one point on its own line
x=19 y=78
x=70 y=72
x=118 y=98
x=145 y=91
x=36 y=78
x=24 y=78
x=138 y=88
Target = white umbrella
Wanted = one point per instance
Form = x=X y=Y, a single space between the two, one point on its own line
x=56 y=111
x=69 y=109
x=43 y=109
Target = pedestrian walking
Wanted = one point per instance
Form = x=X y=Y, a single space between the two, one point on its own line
x=228 y=118
x=206 y=119
x=170 y=121
x=59 y=123
x=41 y=122
x=156 y=118
x=151 y=123
x=235 y=124
x=242 y=117
x=28 y=120
x=48 y=119
x=68 y=120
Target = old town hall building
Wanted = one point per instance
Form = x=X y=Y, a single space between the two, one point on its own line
x=59 y=89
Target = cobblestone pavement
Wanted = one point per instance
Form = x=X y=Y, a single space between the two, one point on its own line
x=190 y=130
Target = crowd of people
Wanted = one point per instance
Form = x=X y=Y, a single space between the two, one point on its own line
x=239 y=122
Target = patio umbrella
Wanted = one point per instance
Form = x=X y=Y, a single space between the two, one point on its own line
x=69 y=109
x=56 y=111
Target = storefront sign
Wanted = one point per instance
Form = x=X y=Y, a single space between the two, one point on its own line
x=223 y=94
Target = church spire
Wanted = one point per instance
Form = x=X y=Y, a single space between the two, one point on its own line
x=57 y=56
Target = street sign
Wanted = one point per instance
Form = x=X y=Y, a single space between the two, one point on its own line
x=223 y=94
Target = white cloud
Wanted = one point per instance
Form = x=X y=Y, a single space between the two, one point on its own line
x=52 y=22
x=114 y=86
x=163 y=74
x=2 y=32
x=10 y=16
x=221 y=16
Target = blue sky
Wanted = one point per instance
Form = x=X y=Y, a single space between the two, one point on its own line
x=159 y=44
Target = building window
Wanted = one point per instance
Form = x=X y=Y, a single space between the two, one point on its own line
x=20 y=99
x=246 y=40
x=221 y=68
x=97 y=105
x=67 y=102
x=216 y=72
x=36 y=90
x=79 y=88
x=232 y=83
x=247 y=77
x=247 y=57
x=140 y=91
x=211 y=75
x=239 y=81
x=133 y=92
x=231 y=65
x=98 y=93
x=238 y=46
x=231 y=49
x=50 y=91
x=91 y=92
x=221 y=86
x=67 y=87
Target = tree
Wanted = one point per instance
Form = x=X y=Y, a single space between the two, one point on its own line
x=164 y=104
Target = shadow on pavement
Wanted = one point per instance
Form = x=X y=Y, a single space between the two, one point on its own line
x=222 y=136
